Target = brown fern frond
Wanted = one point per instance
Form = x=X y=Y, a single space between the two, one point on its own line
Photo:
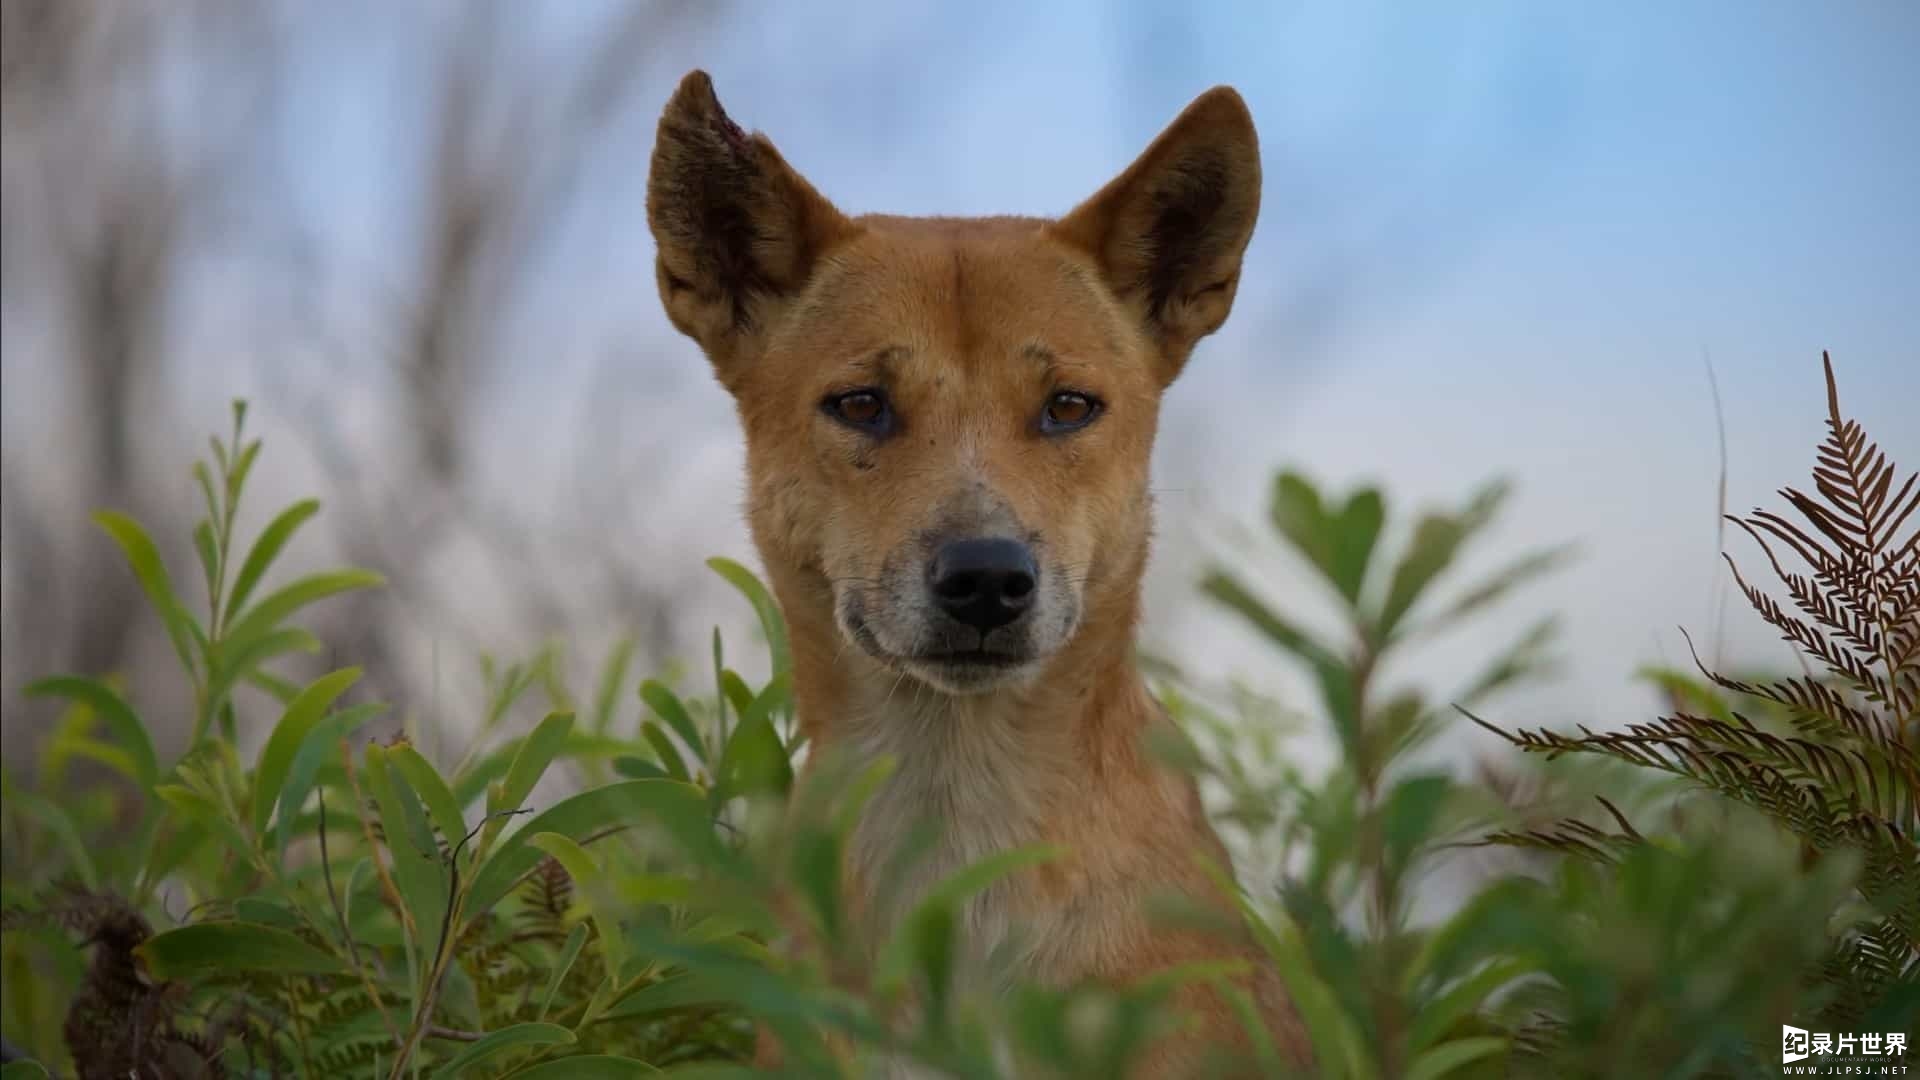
x=1846 y=572
x=1841 y=661
x=1855 y=476
x=1842 y=771
x=1865 y=576
x=1847 y=611
x=546 y=894
x=1572 y=836
x=1569 y=837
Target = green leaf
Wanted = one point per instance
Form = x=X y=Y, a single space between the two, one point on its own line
x=276 y=757
x=814 y=859
x=1489 y=924
x=1687 y=692
x=1225 y=589
x=180 y=843
x=775 y=628
x=272 y=685
x=233 y=947
x=244 y=663
x=76 y=719
x=242 y=466
x=639 y=768
x=612 y=678
x=1437 y=540
x=679 y=807
x=265 y=550
x=197 y=809
x=1353 y=535
x=1297 y=515
x=72 y=745
x=673 y=993
x=417 y=871
x=930 y=937
x=1464 y=998
x=735 y=690
x=1337 y=693
x=205 y=479
x=144 y=558
x=498 y=1042
x=1409 y=814
x=359 y=880
x=319 y=748
x=255 y=910
x=720 y=690
x=569 y=952
x=586 y=1067
x=128 y=732
x=473 y=780
x=1336 y=1039
x=898 y=954
x=205 y=547
x=432 y=789
x=529 y=764
x=1498 y=584
x=1339 y=545
x=1447 y=1057
x=23 y=1070
x=51 y=817
x=754 y=759
x=667 y=705
x=670 y=758
x=278 y=605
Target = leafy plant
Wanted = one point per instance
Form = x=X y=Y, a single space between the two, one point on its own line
x=1828 y=759
x=590 y=890
x=350 y=912
x=1361 y=839
x=353 y=908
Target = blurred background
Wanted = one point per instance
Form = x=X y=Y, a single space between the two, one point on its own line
x=1498 y=239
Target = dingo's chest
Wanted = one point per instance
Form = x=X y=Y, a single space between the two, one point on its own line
x=965 y=786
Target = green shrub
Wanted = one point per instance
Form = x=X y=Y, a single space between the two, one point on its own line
x=336 y=905
x=1822 y=769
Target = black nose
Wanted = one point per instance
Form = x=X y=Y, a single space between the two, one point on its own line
x=985 y=584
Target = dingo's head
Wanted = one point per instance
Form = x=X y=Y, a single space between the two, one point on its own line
x=949 y=421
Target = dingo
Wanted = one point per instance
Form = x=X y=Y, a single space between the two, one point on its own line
x=948 y=427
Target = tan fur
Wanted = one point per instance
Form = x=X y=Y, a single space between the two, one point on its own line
x=969 y=326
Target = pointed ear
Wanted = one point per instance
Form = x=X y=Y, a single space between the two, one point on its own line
x=1168 y=233
x=738 y=230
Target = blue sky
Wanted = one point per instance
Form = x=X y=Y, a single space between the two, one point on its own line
x=1496 y=238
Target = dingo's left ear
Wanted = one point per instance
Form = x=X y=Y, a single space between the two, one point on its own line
x=1168 y=233
x=738 y=230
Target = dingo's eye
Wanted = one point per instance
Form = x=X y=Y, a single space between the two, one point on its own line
x=863 y=409
x=1068 y=411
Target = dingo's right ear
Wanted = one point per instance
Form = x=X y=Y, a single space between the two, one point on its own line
x=1170 y=231
x=738 y=230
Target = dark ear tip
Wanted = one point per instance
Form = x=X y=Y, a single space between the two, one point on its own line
x=695 y=93
x=1221 y=107
x=694 y=102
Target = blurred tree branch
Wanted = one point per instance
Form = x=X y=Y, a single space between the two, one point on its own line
x=139 y=137
x=502 y=162
x=105 y=193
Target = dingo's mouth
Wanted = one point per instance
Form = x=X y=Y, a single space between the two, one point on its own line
x=953 y=670
x=971 y=656
x=969 y=672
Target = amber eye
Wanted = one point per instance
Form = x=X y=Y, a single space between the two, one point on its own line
x=863 y=409
x=1068 y=411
